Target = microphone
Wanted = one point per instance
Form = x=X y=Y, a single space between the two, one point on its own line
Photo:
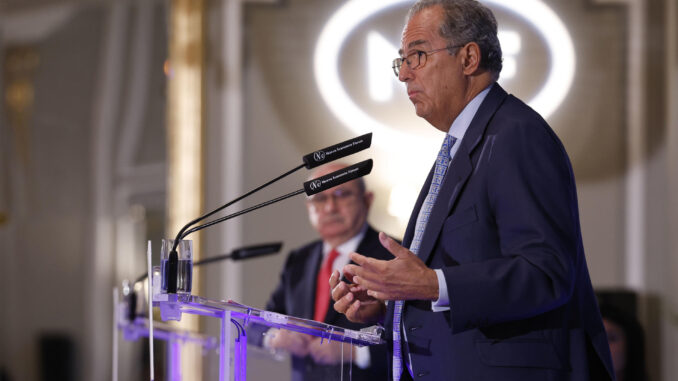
x=335 y=178
x=311 y=160
x=256 y=251
x=311 y=187
x=244 y=253
x=337 y=151
x=238 y=254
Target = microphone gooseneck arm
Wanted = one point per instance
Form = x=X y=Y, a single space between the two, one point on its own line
x=236 y=214
x=181 y=234
x=311 y=160
x=310 y=187
x=173 y=260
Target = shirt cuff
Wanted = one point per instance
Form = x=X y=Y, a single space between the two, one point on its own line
x=362 y=357
x=443 y=302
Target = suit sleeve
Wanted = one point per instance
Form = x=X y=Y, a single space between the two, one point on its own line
x=276 y=303
x=530 y=194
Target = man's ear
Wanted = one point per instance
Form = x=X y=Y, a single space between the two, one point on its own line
x=369 y=197
x=470 y=58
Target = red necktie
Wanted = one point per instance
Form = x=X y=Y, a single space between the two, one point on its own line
x=322 y=287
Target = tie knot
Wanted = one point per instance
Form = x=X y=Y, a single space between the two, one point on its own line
x=444 y=154
x=448 y=142
x=333 y=254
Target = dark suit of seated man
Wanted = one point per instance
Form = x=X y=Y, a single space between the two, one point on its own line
x=339 y=215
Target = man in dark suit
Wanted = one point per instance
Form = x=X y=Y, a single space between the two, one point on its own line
x=491 y=282
x=339 y=215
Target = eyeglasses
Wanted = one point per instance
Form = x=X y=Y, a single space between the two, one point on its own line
x=417 y=58
x=338 y=195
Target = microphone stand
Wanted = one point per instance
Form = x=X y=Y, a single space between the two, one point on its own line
x=173 y=259
x=311 y=160
x=236 y=214
x=310 y=187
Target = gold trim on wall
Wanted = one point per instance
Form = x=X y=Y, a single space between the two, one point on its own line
x=185 y=136
x=19 y=67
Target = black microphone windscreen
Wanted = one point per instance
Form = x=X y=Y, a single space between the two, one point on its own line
x=337 y=151
x=256 y=251
x=339 y=177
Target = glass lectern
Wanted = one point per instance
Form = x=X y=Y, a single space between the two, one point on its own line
x=235 y=318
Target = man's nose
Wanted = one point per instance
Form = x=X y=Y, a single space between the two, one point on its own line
x=330 y=203
x=405 y=72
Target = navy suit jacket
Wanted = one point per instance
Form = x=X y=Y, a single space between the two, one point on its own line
x=505 y=232
x=295 y=296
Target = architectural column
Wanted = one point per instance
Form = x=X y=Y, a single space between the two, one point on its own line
x=670 y=304
x=185 y=138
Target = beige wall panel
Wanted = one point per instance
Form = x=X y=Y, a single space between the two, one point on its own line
x=51 y=197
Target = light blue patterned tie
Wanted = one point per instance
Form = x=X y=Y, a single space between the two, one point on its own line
x=442 y=162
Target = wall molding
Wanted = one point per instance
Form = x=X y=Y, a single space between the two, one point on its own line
x=636 y=176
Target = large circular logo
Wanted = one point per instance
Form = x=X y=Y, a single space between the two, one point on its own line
x=354 y=12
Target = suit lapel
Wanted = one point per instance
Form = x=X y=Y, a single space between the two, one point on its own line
x=456 y=177
x=459 y=171
x=409 y=232
x=309 y=280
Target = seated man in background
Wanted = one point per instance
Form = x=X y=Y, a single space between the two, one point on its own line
x=339 y=215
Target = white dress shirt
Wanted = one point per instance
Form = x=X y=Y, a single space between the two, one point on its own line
x=362 y=354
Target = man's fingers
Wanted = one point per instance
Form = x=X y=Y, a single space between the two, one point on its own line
x=334 y=279
x=358 y=258
x=303 y=337
x=370 y=270
x=342 y=304
x=366 y=284
x=349 y=271
x=378 y=295
x=375 y=289
x=366 y=262
x=392 y=246
x=364 y=273
x=352 y=311
x=338 y=291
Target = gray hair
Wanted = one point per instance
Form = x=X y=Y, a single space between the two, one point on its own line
x=468 y=21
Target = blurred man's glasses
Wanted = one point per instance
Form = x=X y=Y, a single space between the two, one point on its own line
x=338 y=195
x=417 y=58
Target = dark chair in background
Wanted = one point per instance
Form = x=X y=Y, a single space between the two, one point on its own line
x=619 y=309
x=57 y=357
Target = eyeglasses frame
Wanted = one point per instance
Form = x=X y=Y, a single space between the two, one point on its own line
x=337 y=195
x=396 y=67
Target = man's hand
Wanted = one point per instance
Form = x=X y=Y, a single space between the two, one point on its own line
x=294 y=342
x=329 y=352
x=405 y=277
x=353 y=301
